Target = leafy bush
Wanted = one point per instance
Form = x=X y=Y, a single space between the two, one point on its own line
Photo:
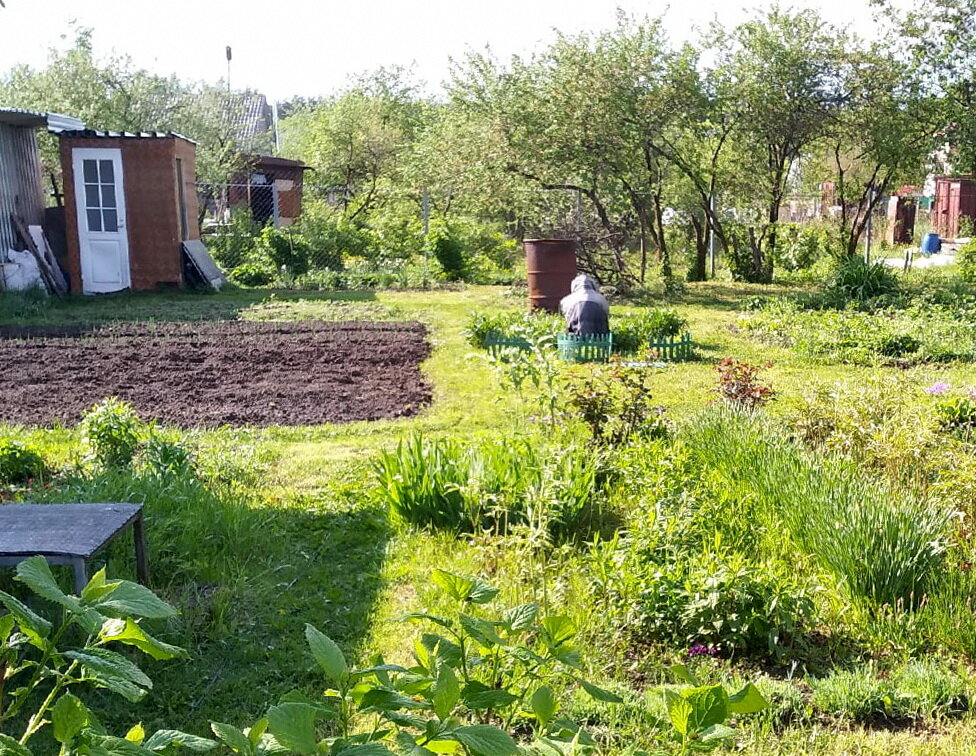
x=799 y=246
x=481 y=326
x=966 y=260
x=235 y=242
x=852 y=279
x=253 y=274
x=287 y=250
x=113 y=431
x=164 y=458
x=438 y=483
x=632 y=333
x=739 y=385
x=957 y=413
x=449 y=252
x=616 y=404
x=724 y=601
x=20 y=462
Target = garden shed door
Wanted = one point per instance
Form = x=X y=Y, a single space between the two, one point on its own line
x=102 y=238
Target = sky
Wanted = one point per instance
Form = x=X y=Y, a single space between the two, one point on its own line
x=312 y=47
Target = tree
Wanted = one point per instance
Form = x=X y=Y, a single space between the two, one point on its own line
x=785 y=74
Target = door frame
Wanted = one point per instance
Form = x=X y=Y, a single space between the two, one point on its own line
x=79 y=154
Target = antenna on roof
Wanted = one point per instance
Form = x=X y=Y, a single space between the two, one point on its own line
x=229 y=56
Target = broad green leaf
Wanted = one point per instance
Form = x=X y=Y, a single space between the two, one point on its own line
x=544 y=705
x=293 y=726
x=445 y=692
x=747 y=701
x=27 y=620
x=478 y=696
x=98 y=587
x=130 y=598
x=327 y=654
x=7 y=623
x=423 y=616
x=113 y=671
x=599 y=693
x=162 y=739
x=233 y=738
x=482 y=593
x=679 y=711
x=521 y=617
x=457 y=587
x=445 y=650
x=256 y=730
x=709 y=706
x=128 y=632
x=441 y=747
x=365 y=749
x=480 y=630
x=109 y=745
x=136 y=734
x=557 y=629
x=10 y=747
x=36 y=573
x=684 y=674
x=378 y=699
x=68 y=717
x=716 y=732
x=485 y=740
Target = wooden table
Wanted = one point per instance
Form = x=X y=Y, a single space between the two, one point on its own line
x=69 y=534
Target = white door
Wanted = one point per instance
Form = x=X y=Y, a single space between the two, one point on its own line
x=102 y=237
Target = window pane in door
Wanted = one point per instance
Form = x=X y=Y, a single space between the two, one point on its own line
x=94 y=220
x=108 y=195
x=107 y=171
x=91 y=195
x=111 y=220
x=91 y=171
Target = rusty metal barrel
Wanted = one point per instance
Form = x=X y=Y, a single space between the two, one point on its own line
x=551 y=265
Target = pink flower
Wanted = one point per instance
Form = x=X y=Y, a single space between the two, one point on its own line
x=938 y=388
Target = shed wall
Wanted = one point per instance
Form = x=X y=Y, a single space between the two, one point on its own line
x=20 y=182
x=152 y=206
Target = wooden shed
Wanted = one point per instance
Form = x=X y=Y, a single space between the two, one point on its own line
x=130 y=202
x=272 y=190
x=955 y=200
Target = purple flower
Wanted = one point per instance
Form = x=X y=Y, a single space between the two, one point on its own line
x=938 y=388
x=697 y=649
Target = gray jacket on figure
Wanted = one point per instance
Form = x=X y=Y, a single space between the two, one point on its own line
x=586 y=310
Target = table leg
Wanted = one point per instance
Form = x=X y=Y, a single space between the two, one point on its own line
x=142 y=559
x=81 y=574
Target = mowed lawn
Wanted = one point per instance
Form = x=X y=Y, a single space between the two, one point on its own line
x=307 y=541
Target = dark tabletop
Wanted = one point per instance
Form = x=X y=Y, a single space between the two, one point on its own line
x=62 y=529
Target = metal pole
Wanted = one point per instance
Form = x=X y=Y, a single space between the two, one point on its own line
x=228 y=67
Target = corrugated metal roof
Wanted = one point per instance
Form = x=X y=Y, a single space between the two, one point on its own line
x=101 y=134
x=55 y=122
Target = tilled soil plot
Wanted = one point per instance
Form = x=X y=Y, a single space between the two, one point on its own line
x=208 y=374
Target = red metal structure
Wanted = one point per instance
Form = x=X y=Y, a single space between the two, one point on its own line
x=551 y=267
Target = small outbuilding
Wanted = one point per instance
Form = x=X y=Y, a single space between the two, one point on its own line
x=955 y=200
x=272 y=190
x=130 y=203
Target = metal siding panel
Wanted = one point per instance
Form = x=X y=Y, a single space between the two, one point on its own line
x=20 y=181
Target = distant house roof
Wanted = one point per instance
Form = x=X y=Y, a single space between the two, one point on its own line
x=101 y=134
x=252 y=119
x=54 y=122
x=278 y=162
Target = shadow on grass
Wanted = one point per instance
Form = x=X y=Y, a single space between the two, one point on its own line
x=246 y=576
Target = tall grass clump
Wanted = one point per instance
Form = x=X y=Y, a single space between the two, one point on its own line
x=885 y=544
x=444 y=485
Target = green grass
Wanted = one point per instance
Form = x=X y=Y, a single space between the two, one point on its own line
x=291 y=533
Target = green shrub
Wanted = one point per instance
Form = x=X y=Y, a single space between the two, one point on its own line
x=957 y=413
x=233 y=243
x=632 y=333
x=20 y=462
x=799 y=246
x=253 y=274
x=162 y=457
x=450 y=254
x=966 y=260
x=724 y=601
x=483 y=326
x=852 y=279
x=287 y=250
x=113 y=431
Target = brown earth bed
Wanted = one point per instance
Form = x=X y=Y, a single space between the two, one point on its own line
x=209 y=374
